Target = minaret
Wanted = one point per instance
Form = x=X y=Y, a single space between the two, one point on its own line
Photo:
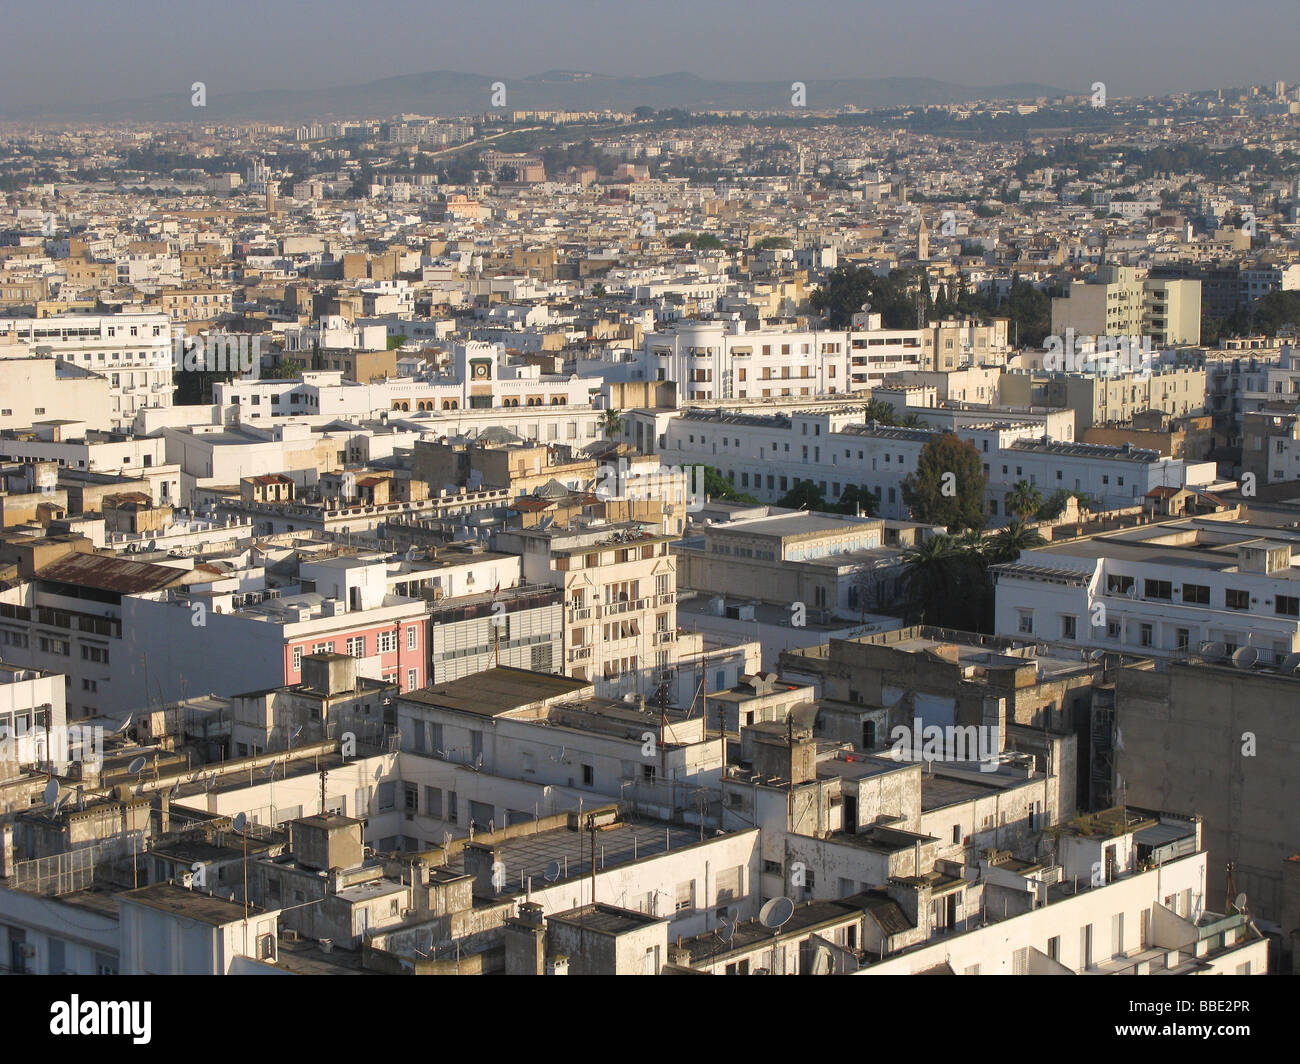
x=923 y=242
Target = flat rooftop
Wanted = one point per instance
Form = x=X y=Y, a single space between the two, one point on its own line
x=605 y=919
x=495 y=691
x=169 y=898
x=620 y=844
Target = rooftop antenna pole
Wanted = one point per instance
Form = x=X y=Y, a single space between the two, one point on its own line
x=591 y=828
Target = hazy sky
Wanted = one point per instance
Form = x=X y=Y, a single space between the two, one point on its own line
x=57 y=52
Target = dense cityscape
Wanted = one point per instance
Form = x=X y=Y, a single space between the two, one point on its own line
x=788 y=538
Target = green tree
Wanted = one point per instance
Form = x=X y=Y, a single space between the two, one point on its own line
x=857 y=497
x=928 y=577
x=1011 y=540
x=612 y=423
x=716 y=486
x=598 y=291
x=948 y=485
x=880 y=412
x=805 y=495
x=1024 y=500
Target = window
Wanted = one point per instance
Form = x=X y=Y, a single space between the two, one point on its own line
x=1054 y=947
x=1234 y=599
x=1286 y=606
x=1119 y=585
x=1144 y=635
x=1196 y=594
x=357 y=646
x=588 y=776
x=1067 y=627
x=387 y=642
x=1158 y=589
x=297 y=659
x=684 y=896
x=1026 y=622
x=433 y=802
x=412 y=679
x=1183 y=639
x=410 y=638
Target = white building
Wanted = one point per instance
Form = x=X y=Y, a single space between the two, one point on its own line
x=134 y=351
x=1161 y=590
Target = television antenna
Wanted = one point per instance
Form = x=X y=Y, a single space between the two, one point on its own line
x=240 y=825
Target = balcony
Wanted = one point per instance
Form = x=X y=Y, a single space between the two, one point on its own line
x=666 y=599
x=664 y=637
x=614 y=608
x=579 y=653
x=580 y=613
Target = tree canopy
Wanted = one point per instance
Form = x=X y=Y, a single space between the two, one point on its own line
x=948 y=485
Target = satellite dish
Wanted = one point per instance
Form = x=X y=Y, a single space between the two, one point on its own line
x=1290 y=663
x=775 y=913
x=1214 y=651
x=136 y=765
x=241 y=822
x=51 y=792
x=295 y=733
x=124 y=725
x=60 y=804
x=1096 y=655
x=1245 y=657
x=802 y=715
x=552 y=872
x=1239 y=902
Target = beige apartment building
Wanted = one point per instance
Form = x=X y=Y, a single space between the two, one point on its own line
x=1107 y=399
x=620 y=596
x=1119 y=302
x=194 y=302
x=522 y=467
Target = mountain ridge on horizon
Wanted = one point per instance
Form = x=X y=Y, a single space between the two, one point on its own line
x=447 y=93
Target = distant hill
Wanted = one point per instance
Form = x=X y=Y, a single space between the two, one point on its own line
x=446 y=92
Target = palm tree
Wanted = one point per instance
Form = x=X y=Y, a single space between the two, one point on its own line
x=612 y=423
x=1024 y=500
x=879 y=411
x=973 y=543
x=1011 y=540
x=928 y=577
x=911 y=421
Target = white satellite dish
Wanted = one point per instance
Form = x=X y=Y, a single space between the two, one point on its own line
x=1214 y=651
x=51 y=792
x=775 y=912
x=136 y=765
x=1290 y=663
x=241 y=822
x=552 y=872
x=1245 y=657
